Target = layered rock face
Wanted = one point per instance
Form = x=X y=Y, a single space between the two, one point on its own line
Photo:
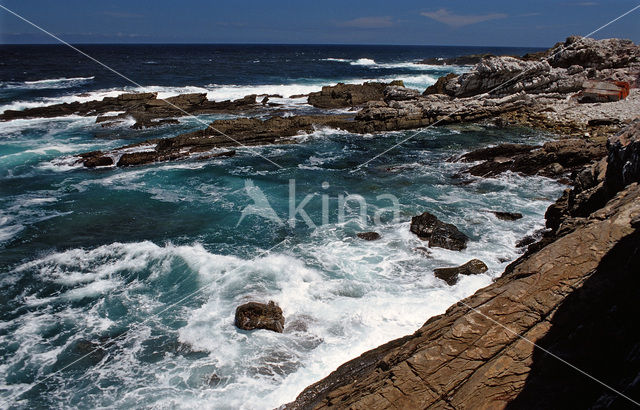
x=574 y=297
x=349 y=95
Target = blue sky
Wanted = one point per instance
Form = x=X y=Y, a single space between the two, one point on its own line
x=439 y=22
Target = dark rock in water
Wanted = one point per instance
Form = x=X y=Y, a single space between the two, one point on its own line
x=136 y=158
x=254 y=315
x=526 y=241
x=470 y=59
x=98 y=161
x=349 y=95
x=450 y=275
x=145 y=108
x=219 y=134
x=439 y=234
x=507 y=216
x=213 y=380
x=500 y=151
x=368 y=236
x=551 y=159
x=92 y=350
x=422 y=250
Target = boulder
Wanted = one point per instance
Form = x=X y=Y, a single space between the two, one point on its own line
x=439 y=234
x=507 y=216
x=450 y=275
x=368 y=236
x=254 y=315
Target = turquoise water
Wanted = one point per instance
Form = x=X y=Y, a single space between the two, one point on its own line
x=89 y=255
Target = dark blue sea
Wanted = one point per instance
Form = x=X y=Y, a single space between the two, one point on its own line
x=118 y=287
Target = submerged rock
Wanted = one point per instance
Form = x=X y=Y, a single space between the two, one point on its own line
x=368 y=236
x=450 y=275
x=254 y=315
x=439 y=234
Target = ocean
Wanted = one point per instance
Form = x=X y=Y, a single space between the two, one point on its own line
x=119 y=286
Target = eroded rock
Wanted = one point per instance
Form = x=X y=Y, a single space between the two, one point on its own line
x=368 y=236
x=254 y=315
x=451 y=275
x=439 y=234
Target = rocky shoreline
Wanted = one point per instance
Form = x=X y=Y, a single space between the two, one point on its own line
x=569 y=294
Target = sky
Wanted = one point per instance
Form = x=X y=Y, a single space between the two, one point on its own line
x=532 y=23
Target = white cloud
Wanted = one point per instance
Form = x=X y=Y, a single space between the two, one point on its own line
x=368 y=22
x=459 y=20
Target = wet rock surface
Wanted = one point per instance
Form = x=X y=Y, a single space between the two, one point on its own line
x=507 y=216
x=368 y=236
x=439 y=234
x=254 y=315
x=214 y=141
x=551 y=159
x=451 y=275
x=145 y=108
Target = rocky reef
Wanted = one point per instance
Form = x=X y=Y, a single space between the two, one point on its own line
x=556 y=330
x=145 y=108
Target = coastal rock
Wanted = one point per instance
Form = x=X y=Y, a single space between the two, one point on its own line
x=440 y=86
x=507 y=216
x=470 y=59
x=591 y=53
x=623 y=165
x=439 y=234
x=368 y=236
x=349 y=95
x=397 y=93
x=450 y=275
x=254 y=315
x=551 y=159
x=204 y=144
x=145 y=108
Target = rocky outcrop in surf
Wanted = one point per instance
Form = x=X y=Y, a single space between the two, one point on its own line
x=145 y=108
x=211 y=142
x=438 y=234
x=544 y=335
x=254 y=315
x=451 y=275
x=349 y=95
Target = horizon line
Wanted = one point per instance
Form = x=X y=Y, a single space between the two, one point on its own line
x=271 y=44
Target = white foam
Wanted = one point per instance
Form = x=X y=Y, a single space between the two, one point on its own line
x=364 y=61
x=52 y=83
